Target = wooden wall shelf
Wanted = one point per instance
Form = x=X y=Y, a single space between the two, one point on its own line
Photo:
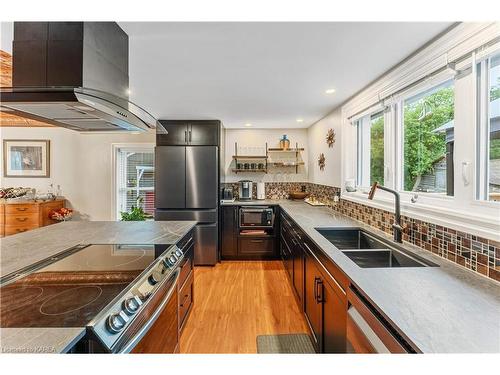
x=268 y=161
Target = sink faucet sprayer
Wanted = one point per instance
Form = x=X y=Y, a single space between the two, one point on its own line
x=397 y=228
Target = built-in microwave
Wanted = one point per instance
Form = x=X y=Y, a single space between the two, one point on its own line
x=256 y=217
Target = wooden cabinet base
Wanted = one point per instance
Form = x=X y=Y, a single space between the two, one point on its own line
x=20 y=217
x=186 y=294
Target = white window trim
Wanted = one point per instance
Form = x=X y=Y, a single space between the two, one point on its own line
x=461 y=212
x=114 y=172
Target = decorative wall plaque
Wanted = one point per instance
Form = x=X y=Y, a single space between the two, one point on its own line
x=330 y=137
x=321 y=161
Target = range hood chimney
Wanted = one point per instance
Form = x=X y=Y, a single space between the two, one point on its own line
x=74 y=75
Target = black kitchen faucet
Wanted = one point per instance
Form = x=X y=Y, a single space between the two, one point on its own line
x=397 y=228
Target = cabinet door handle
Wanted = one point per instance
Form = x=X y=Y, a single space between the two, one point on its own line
x=190 y=136
x=185 y=136
x=316 y=289
x=319 y=291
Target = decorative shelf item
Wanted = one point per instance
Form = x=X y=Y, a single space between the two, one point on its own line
x=284 y=142
x=330 y=138
x=240 y=170
x=260 y=167
x=289 y=157
x=285 y=159
x=283 y=150
x=321 y=161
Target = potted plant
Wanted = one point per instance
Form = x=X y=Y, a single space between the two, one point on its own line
x=136 y=213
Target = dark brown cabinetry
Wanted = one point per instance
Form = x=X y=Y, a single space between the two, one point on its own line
x=186 y=283
x=229 y=235
x=189 y=132
x=319 y=293
x=239 y=243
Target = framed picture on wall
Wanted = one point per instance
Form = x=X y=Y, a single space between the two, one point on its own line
x=26 y=158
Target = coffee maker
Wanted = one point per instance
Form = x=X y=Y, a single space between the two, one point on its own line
x=245 y=190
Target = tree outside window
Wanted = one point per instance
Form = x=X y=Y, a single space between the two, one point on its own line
x=429 y=140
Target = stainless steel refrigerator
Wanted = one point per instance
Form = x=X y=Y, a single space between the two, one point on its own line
x=187 y=183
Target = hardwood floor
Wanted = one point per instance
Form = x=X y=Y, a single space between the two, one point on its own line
x=236 y=301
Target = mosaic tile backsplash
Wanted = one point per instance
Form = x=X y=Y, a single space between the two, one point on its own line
x=475 y=253
x=478 y=254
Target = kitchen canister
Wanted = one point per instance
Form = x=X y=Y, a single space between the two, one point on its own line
x=261 y=190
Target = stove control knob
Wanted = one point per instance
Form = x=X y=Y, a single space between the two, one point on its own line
x=116 y=322
x=172 y=258
x=154 y=278
x=131 y=305
x=178 y=252
x=167 y=263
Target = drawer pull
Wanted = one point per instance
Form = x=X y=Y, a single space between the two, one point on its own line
x=257 y=241
x=21 y=208
x=21 y=218
x=21 y=230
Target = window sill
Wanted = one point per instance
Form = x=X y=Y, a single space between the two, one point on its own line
x=459 y=220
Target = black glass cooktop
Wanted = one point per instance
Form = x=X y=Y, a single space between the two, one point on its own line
x=72 y=289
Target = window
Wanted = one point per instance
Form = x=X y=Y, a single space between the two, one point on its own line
x=134 y=179
x=370 y=133
x=489 y=129
x=428 y=140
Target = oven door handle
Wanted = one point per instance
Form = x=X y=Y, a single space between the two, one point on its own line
x=127 y=348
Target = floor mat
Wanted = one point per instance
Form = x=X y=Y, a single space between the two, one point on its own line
x=299 y=343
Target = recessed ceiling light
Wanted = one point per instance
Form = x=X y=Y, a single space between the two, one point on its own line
x=248 y=124
x=329 y=91
x=300 y=120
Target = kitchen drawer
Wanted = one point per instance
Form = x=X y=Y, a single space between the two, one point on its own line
x=15 y=229
x=2 y=213
x=186 y=265
x=185 y=300
x=22 y=220
x=256 y=246
x=28 y=208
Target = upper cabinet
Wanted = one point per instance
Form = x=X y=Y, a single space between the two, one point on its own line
x=189 y=132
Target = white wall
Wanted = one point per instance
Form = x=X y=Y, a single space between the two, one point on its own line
x=257 y=138
x=81 y=163
x=316 y=135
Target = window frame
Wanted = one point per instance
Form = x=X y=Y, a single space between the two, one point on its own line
x=115 y=149
x=482 y=128
x=363 y=127
x=439 y=80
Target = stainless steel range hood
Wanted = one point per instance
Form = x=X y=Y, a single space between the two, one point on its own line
x=74 y=75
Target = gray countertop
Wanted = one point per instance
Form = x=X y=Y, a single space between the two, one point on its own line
x=445 y=309
x=253 y=202
x=26 y=248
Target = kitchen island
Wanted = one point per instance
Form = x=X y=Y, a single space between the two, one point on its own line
x=25 y=249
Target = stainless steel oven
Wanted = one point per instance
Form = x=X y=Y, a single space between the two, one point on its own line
x=256 y=217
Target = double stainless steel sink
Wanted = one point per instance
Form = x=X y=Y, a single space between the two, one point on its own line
x=369 y=251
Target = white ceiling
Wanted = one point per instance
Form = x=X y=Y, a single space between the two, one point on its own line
x=266 y=74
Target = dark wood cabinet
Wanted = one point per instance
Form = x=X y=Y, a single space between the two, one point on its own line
x=325 y=306
x=320 y=295
x=236 y=245
x=312 y=306
x=334 y=317
x=190 y=133
x=201 y=133
x=298 y=271
x=229 y=235
x=177 y=133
